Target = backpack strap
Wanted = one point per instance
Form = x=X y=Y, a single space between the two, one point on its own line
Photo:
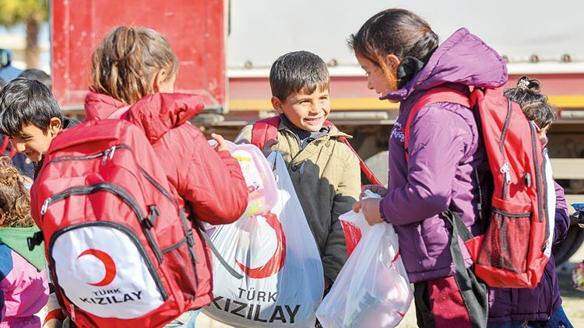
x=364 y=168
x=267 y=129
x=436 y=95
x=473 y=291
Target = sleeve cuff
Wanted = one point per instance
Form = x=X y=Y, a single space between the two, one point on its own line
x=381 y=213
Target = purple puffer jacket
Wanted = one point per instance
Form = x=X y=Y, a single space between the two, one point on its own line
x=445 y=149
x=537 y=304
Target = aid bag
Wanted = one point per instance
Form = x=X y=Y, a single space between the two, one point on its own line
x=354 y=225
x=372 y=289
x=257 y=174
x=283 y=278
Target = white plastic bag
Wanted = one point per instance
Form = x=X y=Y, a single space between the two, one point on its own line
x=372 y=289
x=283 y=276
x=258 y=176
x=354 y=225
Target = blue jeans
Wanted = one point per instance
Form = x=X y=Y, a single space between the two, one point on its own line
x=557 y=320
x=186 y=320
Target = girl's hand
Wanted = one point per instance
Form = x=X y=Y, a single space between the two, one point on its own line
x=370 y=209
x=221 y=145
x=380 y=190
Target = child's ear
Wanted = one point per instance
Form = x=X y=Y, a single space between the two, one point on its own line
x=159 y=78
x=277 y=104
x=55 y=126
x=392 y=62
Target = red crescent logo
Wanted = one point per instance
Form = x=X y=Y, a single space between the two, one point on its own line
x=275 y=263
x=108 y=263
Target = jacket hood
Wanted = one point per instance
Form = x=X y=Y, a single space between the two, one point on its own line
x=463 y=59
x=156 y=114
x=99 y=106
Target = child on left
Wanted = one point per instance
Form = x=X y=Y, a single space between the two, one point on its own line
x=23 y=286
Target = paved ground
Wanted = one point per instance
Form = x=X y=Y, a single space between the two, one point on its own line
x=573 y=300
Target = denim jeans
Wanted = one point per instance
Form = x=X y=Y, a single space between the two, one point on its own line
x=557 y=320
x=186 y=320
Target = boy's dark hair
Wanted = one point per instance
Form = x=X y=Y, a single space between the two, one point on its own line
x=2 y=83
x=38 y=75
x=399 y=32
x=297 y=71
x=25 y=102
x=534 y=105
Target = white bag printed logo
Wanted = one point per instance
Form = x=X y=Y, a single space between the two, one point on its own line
x=283 y=276
x=102 y=271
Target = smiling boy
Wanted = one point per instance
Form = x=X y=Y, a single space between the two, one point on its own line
x=325 y=172
x=31 y=117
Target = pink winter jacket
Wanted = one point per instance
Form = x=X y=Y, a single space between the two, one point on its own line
x=23 y=290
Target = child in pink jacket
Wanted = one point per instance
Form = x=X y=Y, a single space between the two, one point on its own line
x=23 y=281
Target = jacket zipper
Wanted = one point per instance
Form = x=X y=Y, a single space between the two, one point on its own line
x=124 y=230
x=538 y=179
x=114 y=189
x=480 y=204
x=505 y=169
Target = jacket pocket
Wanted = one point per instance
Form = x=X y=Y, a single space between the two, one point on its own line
x=506 y=241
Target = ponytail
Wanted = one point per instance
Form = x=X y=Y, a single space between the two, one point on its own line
x=534 y=105
x=398 y=32
x=126 y=61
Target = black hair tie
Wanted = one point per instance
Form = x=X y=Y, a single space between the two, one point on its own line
x=407 y=69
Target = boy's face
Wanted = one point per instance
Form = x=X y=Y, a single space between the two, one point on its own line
x=307 y=111
x=34 y=141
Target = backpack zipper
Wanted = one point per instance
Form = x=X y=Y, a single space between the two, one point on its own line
x=107 y=154
x=505 y=169
x=116 y=190
x=545 y=186
x=538 y=180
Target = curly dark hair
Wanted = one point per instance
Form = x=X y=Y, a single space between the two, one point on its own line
x=534 y=104
x=14 y=197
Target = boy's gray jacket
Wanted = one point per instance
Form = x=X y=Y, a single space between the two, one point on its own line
x=327 y=179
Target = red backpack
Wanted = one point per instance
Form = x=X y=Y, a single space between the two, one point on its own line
x=121 y=252
x=266 y=132
x=517 y=244
x=5 y=148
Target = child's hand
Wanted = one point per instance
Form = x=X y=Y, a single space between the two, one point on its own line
x=221 y=145
x=380 y=190
x=370 y=209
